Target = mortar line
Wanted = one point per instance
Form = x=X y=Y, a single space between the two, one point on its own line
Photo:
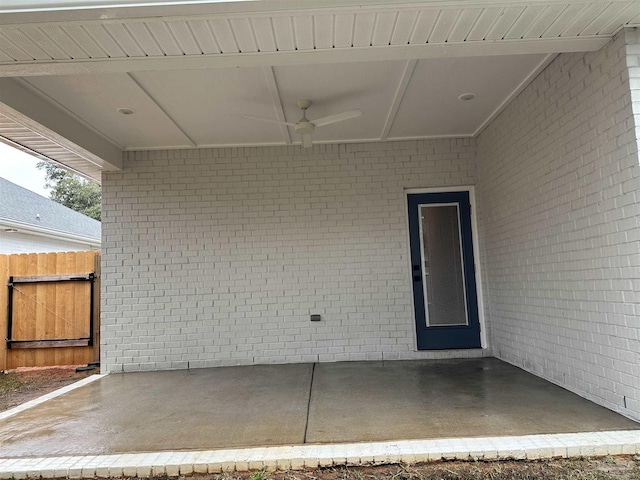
x=306 y=425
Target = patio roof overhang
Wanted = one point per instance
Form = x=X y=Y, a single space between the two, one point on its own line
x=191 y=69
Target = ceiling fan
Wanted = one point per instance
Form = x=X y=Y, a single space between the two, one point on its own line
x=304 y=126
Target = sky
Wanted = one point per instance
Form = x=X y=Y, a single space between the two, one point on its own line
x=20 y=168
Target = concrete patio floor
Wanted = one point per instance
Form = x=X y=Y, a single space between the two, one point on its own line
x=263 y=405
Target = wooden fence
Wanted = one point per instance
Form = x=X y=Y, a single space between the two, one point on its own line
x=49 y=309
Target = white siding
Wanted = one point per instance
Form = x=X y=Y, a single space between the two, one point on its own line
x=18 y=242
x=559 y=213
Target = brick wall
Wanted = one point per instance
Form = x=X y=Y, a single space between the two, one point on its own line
x=632 y=40
x=559 y=215
x=218 y=257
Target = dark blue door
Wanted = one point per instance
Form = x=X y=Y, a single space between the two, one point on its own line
x=442 y=270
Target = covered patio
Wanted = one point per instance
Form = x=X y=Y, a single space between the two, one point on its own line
x=247 y=245
x=297 y=404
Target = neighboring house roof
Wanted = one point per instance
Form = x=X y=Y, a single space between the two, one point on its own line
x=25 y=209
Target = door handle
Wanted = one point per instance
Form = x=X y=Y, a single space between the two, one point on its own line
x=416 y=277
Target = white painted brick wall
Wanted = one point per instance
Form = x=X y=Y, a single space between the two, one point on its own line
x=218 y=257
x=559 y=214
x=632 y=40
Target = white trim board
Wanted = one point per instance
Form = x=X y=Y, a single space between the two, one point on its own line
x=336 y=55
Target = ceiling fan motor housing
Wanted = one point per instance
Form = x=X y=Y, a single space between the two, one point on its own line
x=304 y=128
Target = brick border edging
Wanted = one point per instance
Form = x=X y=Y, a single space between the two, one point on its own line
x=312 y=456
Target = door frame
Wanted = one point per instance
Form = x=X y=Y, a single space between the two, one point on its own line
x=476 y=256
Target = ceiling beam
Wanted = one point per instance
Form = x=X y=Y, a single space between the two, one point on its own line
x=397 y=98
x=33 y=112
x=328 y=56
x=162 y=109
x=272 y=85
x=516 y=91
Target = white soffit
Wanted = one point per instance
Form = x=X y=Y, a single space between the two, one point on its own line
x=307 y=35
x=27 y=140
x=23 y=107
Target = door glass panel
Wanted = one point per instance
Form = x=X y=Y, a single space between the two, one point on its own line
x=442 y=270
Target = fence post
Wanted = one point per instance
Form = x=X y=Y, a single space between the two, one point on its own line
x=4 y=278
x=96 y=308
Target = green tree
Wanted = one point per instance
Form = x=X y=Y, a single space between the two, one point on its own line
x=72 y=191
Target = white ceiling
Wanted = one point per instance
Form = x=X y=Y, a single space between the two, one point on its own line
x=206 y=107
x=192 y=71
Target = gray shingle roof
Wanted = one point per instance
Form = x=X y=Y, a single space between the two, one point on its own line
x=21 y=205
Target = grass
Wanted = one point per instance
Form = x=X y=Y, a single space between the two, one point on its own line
x=11 y=386
x=260 y=475
x=10 y=383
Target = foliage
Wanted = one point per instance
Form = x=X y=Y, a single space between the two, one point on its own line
x=260 y=474
x=72 y=191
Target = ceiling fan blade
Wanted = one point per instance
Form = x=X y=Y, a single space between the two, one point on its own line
x=338 y=117
x=306 y=140
x=269 y=120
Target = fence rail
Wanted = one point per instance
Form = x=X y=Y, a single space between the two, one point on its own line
x=49 y=309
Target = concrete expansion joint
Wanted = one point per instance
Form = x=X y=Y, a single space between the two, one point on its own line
x=306 y=424
x=296 y=457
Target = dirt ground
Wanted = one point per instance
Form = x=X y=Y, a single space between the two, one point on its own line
x=609 y=468
x=24 y=384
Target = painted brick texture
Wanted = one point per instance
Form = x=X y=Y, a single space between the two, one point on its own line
x=559 y=215
x=632 y=40
x=218 y=257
